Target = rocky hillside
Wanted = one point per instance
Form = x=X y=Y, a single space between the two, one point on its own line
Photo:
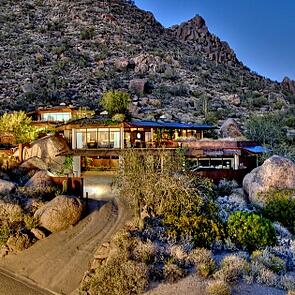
x=54 y=51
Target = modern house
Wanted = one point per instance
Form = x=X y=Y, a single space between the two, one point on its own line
x=50 y=117
x=97 y=144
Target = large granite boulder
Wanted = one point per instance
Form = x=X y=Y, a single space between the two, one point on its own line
x=230 y=128
x=41 y=179
x=48 y=149
x=6 y=186
x=34 y=163
x=275 y=173
x=60 y=213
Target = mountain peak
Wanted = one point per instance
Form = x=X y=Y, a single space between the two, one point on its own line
x=195 y=33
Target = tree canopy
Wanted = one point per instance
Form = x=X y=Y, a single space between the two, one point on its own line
x=116 y=102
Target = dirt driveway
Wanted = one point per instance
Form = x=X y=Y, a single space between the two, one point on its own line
x=59 y=262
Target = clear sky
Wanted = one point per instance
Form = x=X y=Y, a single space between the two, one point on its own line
x=261 y=32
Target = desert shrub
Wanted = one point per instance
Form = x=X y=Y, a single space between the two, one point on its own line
x=203 y=261
x=269 y=260
x=119 y=276
x=30 y=221
x=250 y=230
x=218 y=288
x=280 y=206
x=4 y=234
x=183 y=203
x=233 y=269
x=267 y=277
x=288 y=282
x=115 y=102
x=46 y=193
x=10 y=211
x=173 y=272
x=87 y=33
x=144 y=252
x=226 y=187
x=266 y=129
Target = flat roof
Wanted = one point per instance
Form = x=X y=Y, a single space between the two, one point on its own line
x=135 y=123
x=170 y=125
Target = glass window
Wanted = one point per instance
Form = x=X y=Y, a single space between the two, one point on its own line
x=103 y=137
x=115 y=138
x=56 y=117
x=81 y=139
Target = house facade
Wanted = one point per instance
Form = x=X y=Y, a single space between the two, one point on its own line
x=97 y=143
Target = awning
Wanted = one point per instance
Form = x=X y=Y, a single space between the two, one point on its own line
x=258 y=149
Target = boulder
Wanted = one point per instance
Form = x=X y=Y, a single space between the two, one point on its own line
x=60 y=213
x=138 y=86
x=275 y=173
x=18 y=242
x=230 y=128
x=6 y=186
x=48 y=149
x=41 y=179
x=34 y=163
x=38 y=233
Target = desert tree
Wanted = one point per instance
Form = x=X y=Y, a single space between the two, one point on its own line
x=116 y=102
x=19 y=125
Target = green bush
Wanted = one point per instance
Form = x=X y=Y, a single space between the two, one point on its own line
x=115 y=102
x=250 y=230
x=280 y=206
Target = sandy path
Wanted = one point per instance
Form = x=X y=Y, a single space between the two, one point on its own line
x=10 y=285
x=59 y=262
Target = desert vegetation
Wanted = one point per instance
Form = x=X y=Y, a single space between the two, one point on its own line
x=181 y=225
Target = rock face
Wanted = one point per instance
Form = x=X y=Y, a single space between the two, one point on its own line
x=276 y=172
x=60 y=213
x=195 y=31
x=230 y=128
x=6 y=186
x=41 y=179
x=289 y=84
x=48 y=148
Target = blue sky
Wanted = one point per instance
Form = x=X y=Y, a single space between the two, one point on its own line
x=261 y=32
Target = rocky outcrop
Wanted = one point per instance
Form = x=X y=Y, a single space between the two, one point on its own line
x=60 y=213
x=275 y=173
x=6 y=187
x=230 y=128
x=41 y=179
x=195 y=31
x=289 y=84
x=48 y=149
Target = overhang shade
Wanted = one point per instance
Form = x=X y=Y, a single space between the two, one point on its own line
x=258 y=149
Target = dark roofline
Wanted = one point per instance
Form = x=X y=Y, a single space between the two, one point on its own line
x=171 y=125
x=137 y=123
